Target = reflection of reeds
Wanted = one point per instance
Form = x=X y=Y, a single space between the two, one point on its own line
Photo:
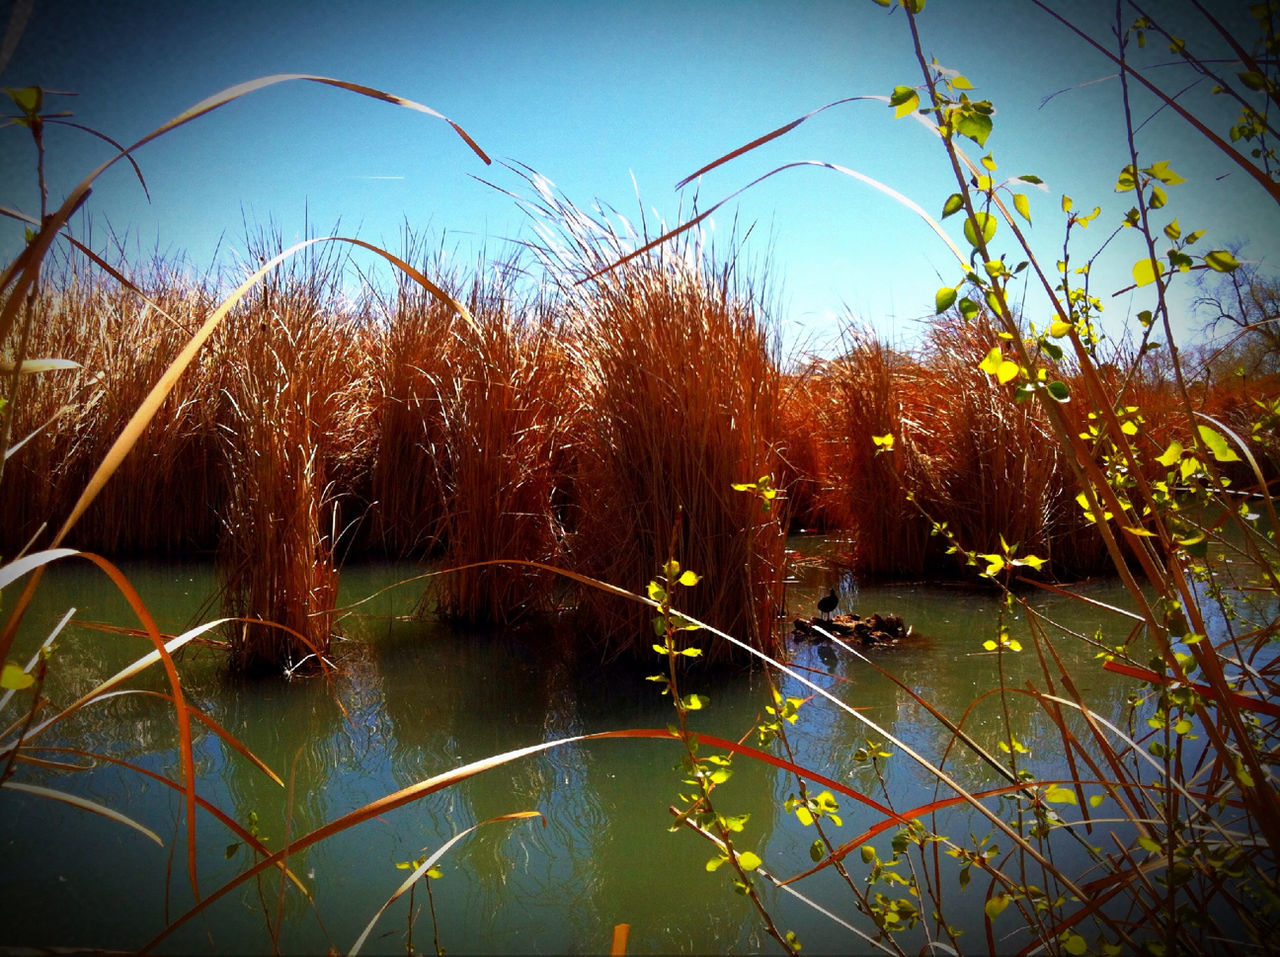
x=290 y=381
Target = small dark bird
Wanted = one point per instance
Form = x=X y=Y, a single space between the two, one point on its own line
x=827 y=604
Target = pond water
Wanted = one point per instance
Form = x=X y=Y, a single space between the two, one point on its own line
x=415 y=699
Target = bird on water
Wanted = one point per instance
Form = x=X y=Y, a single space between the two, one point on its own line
x=827 y=603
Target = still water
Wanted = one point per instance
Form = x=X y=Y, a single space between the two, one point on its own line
x=415 y=699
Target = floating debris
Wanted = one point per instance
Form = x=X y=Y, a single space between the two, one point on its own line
x=872 y=630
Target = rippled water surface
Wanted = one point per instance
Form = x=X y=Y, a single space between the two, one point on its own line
x=415 y=699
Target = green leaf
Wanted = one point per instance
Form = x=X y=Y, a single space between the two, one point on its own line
x=1144 y=272
x=954 y=203
x=749 y=860
x=1253 y=80
x=28 y=99
x=657 y=592
x=1173 y=231
x=1214 y=441
x=1033 y=180
x=1126 y=180
x=996 y=905
x=1158 y=197
x=1219 y=260
x=1022 y=205
x=961 y=83
x=231 y=850
x=1075 y=945
x=968 y=308
x=1171 y=454
x=983 y=224
x=944 y=299
x=716 y=862
x=976 y=126
x=1162 y=172
x=904 y=100
x=868 y=853
x=15 y=678
x=1055 y=794
x=1148 y=844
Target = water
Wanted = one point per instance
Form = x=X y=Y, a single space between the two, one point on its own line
x=416 y=699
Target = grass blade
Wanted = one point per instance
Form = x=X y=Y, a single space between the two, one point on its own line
x=429 y=863
x=85 y=805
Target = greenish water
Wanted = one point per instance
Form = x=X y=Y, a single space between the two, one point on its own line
x=415 y=699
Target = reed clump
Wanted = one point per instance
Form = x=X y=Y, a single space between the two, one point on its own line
x=880 y=446
x=408 y=341
x=507 y=411
x=291 y=380
x=159 y=502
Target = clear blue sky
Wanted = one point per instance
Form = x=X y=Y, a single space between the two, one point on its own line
x=592 y=94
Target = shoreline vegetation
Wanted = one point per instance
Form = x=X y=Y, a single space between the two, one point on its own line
x=569 y=428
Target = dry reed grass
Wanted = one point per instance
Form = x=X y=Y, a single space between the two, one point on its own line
x=291 y=382
x=507 y=408
x=160 y=500
x=871 y=391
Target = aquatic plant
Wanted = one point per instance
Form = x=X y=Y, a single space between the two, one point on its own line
x=1192 y=809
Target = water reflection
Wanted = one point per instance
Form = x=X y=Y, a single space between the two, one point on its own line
x=414 y=700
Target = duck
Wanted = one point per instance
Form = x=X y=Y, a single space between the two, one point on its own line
x=827 y=604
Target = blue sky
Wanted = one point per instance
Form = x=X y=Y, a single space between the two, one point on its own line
x=603 y=98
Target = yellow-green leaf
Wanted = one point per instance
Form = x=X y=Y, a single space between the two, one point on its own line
x=979 y=223
x=1219 y=260
x=944 y=299
x=689 y=578
x=903 y=100
x=991 y=364
x=1162 y=172
x=1022 y=205
x=1056 y=794
x=1171 y=454
x=1217 y=444
x=15 y=678
x=1006 y=371
x=996 y=905
x=749 y=860
x=1059 y=328
x=1144 y=272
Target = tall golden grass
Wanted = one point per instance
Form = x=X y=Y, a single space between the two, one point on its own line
x=551 y=429
x=677 y=367
x=292 y=385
